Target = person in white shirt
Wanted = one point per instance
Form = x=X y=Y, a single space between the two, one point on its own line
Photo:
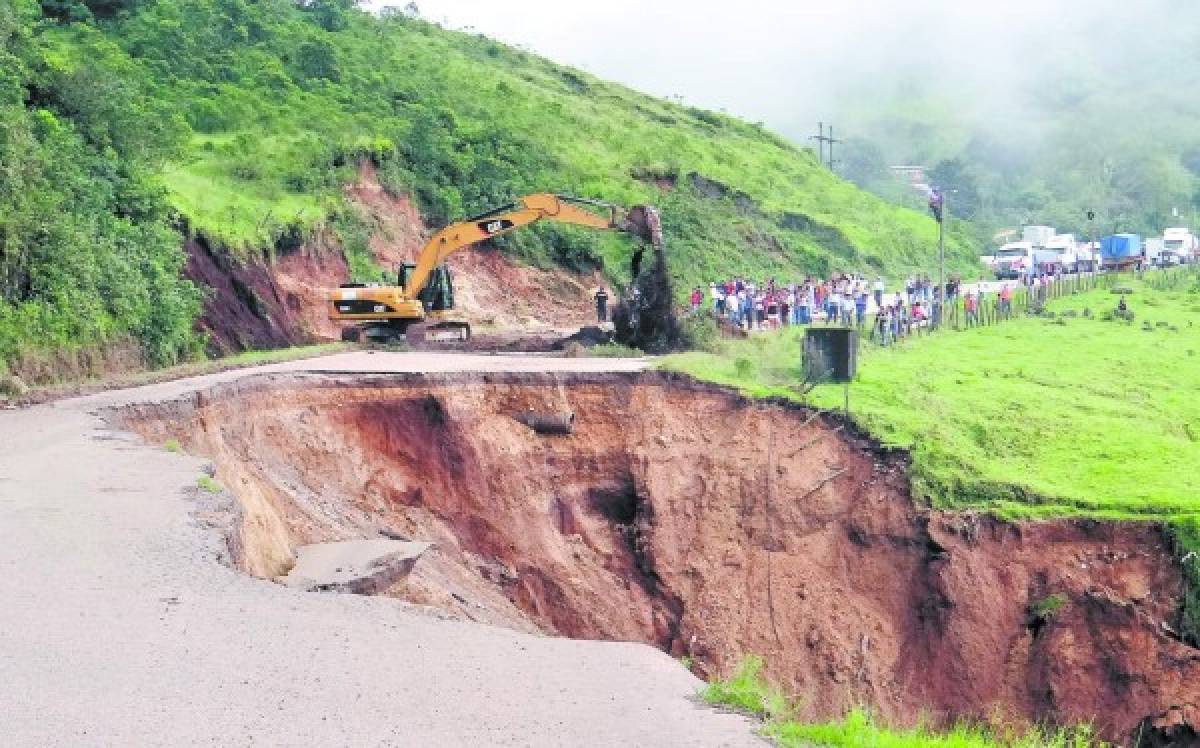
x=833 y=307
x=848 y=309
x=879 y=292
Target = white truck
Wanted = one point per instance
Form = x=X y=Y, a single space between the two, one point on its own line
x=1180 y=245
x=1013 y=260
x=1152 y=251
x=1037 y=235
x=1059 y=254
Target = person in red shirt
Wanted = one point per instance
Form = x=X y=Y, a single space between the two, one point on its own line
x=971 y=308
x=696 y=299
x=1006 y=301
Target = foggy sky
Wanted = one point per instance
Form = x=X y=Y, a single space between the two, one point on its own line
x=790 y=64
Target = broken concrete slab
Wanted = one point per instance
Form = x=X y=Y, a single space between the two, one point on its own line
x=365 y=567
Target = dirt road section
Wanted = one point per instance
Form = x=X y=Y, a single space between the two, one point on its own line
x=673 y=513
x=121 y=627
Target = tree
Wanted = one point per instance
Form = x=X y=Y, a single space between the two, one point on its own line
x=331 y=15
x=318 y=59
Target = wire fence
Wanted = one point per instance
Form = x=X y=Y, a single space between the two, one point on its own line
x=1023 y=301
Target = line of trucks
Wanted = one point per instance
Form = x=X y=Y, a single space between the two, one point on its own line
x=1042 y=249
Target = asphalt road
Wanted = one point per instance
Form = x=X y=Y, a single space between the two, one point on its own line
x=119 y=627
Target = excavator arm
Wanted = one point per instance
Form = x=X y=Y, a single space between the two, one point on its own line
x=526 y=210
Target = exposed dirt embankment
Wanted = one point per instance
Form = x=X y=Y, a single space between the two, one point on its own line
x=687 y=517
x=280 y=299
x=266 y=302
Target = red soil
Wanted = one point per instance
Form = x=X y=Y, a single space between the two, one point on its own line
x=686 y=517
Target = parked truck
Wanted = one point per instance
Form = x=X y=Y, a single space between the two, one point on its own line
x=1013 y=260
x=1152 y=252
x=1037 y=235
x=1120 y=251
x=1058 y=255
x=1181 y=245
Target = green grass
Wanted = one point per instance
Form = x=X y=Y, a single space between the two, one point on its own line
x=858 y=729
x=1048 y=606
x=1036 y=418
x=207 y=484
x=746 y=691
x=464 y=123
x=173 y=445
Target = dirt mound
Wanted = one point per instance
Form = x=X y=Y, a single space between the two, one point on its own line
x=647 y=522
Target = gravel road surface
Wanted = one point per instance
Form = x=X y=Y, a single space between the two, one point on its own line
x=118 y=626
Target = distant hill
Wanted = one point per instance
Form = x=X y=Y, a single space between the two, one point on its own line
x=1045 y=121
x=127 y=126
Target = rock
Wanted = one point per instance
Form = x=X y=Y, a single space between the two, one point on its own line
x=364 y=567
x=12 y=386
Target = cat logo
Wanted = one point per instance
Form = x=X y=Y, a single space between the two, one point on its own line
x=495 y=227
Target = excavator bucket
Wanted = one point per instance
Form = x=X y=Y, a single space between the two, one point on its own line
x=643 y=222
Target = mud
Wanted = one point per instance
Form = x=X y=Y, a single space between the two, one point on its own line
x=686 y=517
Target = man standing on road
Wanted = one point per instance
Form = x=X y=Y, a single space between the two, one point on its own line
x=601 y=298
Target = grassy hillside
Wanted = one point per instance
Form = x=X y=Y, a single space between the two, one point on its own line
x=999 y=418
x=466 y=123
x=241 y=119
x=1040 y=417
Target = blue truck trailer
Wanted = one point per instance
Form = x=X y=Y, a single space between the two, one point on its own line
x=1120 y=250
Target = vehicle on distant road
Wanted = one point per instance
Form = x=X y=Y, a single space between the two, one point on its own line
x=1152 y=251
x=1121 y=250
x=1013 y=260
x=1182 y=244
x=1038 y=236
x=1057 y=255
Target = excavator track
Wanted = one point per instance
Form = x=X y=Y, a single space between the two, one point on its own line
x=422 y=333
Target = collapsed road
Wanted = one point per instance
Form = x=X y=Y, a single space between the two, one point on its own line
x=121 y=626
x=495 y=499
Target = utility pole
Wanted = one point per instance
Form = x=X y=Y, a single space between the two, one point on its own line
x=822 y=139
x=831 y=142
x=942 y=263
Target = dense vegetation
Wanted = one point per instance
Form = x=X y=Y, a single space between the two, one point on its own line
x=126 y=122
x=87 y=252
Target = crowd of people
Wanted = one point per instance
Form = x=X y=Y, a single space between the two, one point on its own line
x=845 y=299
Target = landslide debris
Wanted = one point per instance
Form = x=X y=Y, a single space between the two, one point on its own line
x=684 y=516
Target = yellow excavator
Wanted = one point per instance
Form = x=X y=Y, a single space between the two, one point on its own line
x=420 y=307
